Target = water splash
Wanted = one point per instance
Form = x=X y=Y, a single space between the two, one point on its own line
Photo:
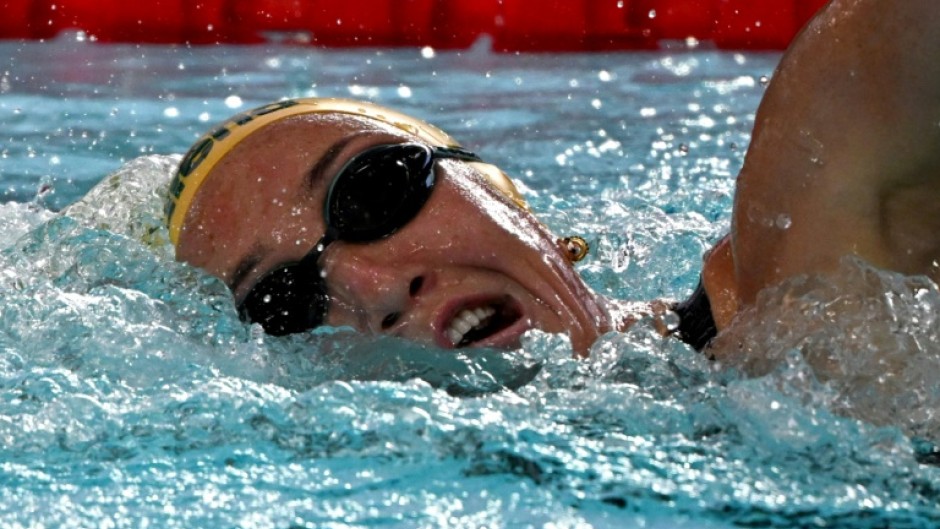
x=871 y=336
x=126 y=377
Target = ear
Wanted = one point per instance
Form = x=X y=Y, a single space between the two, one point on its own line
x=720 y=281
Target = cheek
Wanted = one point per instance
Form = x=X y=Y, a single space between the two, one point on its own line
x=483 y=208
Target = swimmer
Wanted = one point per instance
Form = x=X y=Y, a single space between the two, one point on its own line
x=342 y=213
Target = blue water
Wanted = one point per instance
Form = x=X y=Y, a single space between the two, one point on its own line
x=132 y=396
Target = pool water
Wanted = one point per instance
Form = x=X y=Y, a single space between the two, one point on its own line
x=132 y=396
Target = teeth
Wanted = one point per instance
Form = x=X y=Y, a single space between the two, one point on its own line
x=466 y=320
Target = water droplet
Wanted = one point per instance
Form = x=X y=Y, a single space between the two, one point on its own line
x=671 y=321
x=783 y=221
x=427 y=52
x=764 y=80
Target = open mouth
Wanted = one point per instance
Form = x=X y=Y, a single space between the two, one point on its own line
x=476 y=324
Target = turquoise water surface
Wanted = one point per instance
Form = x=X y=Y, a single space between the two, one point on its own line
x=132 y=396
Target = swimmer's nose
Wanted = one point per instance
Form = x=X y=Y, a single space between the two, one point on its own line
x=370 y=293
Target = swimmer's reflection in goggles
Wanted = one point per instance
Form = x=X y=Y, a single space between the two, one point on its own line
x=374 y=195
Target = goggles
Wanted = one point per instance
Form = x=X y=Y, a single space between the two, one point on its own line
x=376 y=193
x=197 y=166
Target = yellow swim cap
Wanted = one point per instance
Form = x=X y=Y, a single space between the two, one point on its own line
x=214 y=145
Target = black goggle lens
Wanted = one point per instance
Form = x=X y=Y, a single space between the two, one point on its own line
x=379 y=191
x=287 y=300
x=374 y=195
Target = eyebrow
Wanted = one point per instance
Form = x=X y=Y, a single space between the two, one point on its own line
x=317 y=173
x=245 y=267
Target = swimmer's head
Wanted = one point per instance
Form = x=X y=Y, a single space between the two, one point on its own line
x=202 y=157
x=350 y=214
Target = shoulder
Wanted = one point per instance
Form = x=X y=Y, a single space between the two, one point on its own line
x=845 y=141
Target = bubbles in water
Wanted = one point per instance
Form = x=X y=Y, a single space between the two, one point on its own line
x=783 y=221
x=370 y=92
x=870 y=335
x=427 y=52
x=233 y=101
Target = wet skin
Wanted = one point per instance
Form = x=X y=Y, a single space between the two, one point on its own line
x=469 y=247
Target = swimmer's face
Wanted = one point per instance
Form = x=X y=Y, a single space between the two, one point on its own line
x=470 y=252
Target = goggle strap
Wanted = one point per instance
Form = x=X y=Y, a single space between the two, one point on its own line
x=455 y=153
